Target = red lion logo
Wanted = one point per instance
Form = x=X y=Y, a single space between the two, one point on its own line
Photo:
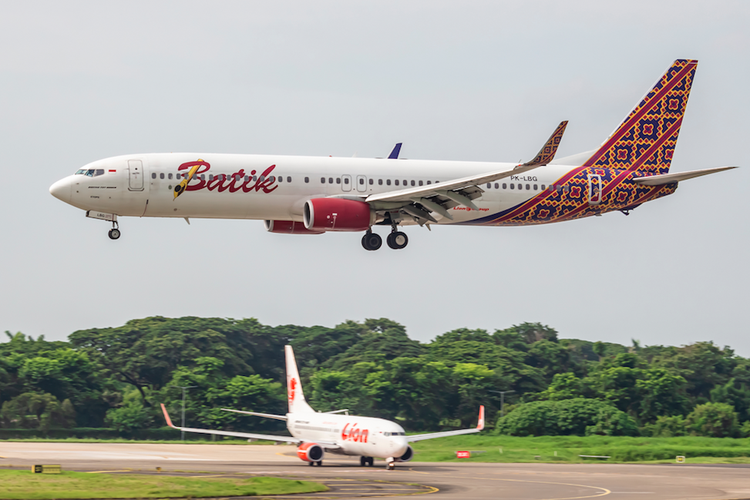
x=292 y=385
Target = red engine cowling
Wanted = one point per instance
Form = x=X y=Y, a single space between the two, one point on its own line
x=337 y=214
x=288 y=227
x=310 y=452
x=408 y=455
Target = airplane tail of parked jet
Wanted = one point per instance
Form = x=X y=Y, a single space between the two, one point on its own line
x=645 y=141
x=296 y=397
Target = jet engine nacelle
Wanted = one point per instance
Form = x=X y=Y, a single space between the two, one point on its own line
x=288 y=227
x=337 y=214
x=310 y=452
x=408 y=455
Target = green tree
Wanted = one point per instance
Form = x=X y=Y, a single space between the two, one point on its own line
x=37 y=411
x=713 y=420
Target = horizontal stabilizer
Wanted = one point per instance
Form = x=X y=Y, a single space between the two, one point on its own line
x=660 y=180
x=264 y=415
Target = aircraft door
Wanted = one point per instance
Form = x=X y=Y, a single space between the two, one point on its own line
x=361 y=183
x=595 y=189
x=346 y=182
x=135 y=175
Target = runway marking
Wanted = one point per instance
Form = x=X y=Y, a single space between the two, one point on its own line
x=605 y=491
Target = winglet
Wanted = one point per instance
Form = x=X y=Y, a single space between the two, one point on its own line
x=396 y=150
x=166 y=416
x=547 y=153
x=480 y=424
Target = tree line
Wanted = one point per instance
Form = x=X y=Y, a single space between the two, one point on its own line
x=116 y=377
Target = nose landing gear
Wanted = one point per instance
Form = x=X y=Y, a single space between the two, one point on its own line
x=114 y=233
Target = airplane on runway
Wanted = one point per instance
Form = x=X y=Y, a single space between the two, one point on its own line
x=315 y=195
x=316 y=433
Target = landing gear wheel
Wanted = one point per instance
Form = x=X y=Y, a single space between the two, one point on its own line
x=371 y=241
x=370 y=461
x=362 y=461
x=397 y=240
x=391 y=465
x=320 y=463
x=311 y=464
x=114 y=233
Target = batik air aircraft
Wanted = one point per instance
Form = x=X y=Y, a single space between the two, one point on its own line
x=315 y=195
x=316 y=434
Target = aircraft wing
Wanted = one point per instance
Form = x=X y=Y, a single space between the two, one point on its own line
x=547 y=153
x=420 y=202
x=265 y=415
x=658 y=180
x=433 y=435
x=244 y=435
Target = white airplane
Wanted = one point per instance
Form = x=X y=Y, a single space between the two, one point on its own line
x=316 y=433
x=314 y=195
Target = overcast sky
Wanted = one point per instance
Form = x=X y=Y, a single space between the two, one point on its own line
x=486 y=81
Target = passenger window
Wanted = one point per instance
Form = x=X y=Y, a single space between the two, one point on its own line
x=429 y=182
x=370 y=182
x=169 y=176
x=543 y=188
x=412 y=183
x=497 y=186
x=388 y=182
x=307 y=179
x=288 y=179
x=405 y=183
x=489 y=185
x=203 y=177
x=322 y=180
x=535 y=187
x=346 y=180
x=528 y=187
x=396 y=182
x=338 y=180
x=420 y=183
x=161 y=176
x=330 y=180
x=153 y=175
x=262 y=178
x=512 y=186
x=380 y=182
x=281 y=178
x=361 y=180
x=272 y=178
x=247 y=178
x=505 y=186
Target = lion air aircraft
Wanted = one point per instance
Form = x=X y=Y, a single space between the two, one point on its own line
x=317 y=433
x=314 y=195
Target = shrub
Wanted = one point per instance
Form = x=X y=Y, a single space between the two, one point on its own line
x=713 y=420
x=578 y=416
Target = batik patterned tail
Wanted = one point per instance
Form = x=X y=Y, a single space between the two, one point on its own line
x=646 y=140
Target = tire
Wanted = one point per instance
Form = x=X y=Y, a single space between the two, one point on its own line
x=371 y=241
x=363 y=461
x=397 y=240
x=114 y=233
x=370 y=461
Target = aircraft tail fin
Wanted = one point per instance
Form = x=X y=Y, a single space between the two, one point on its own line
x=645 y=141
x=296 y=397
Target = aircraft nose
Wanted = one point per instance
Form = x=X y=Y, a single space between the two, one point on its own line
x=62 y=190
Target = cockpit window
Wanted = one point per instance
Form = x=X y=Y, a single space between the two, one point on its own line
x=90 y=172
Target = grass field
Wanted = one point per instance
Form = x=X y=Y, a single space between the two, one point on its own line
x=566 y=449
x=16 y=484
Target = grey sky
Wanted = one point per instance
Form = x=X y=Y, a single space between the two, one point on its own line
x=488 y=81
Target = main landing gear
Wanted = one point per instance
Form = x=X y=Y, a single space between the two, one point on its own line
x=366 y=461
x=319 y=463
x=114 y=233
x=396 y=240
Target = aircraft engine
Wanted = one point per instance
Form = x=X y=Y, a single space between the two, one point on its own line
x=310 y=452
x=337 y=214
x=288 y=227
x=408 y=455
